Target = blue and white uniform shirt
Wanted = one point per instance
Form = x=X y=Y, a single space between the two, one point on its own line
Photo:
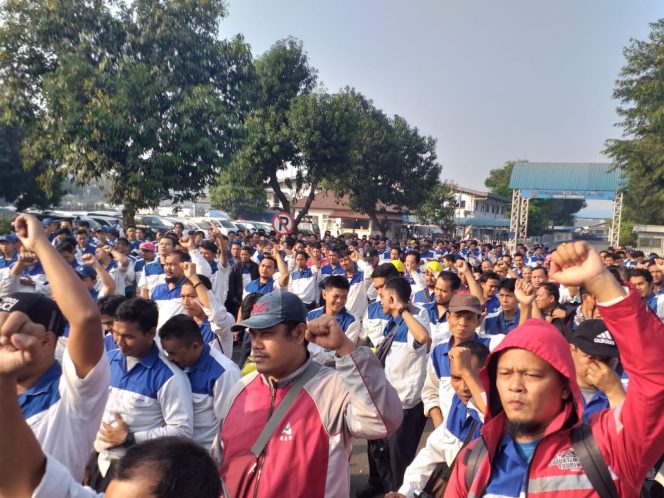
x=64 y=411
x=211 y=378
x=304 y=284
x=152 y=396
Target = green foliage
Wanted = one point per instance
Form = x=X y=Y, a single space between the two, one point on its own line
x=391 y=165
x=265 y=143
x=640 y=92
x=142 y=94
x=235 y=195
x=438 y=207
x=542 y=213
x=499 y=179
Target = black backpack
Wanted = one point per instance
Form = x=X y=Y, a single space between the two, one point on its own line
x=589 y=456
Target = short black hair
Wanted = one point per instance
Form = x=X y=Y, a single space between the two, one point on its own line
x=108 y=305
x=546 y=273
x=248 y=304
x=490 y=275
x=414 y=253
x=183 y=467
x=401 y=287
x=209 y=245
x=386 y=271
x=509 y=284
x=67 y=246
x=183 y=328
x=336 y=282
x=184 y=256
x=143 y=312
x=204 y=280
x=451 y=278
x=477 y=349
x=552 y=289
x=640 y=272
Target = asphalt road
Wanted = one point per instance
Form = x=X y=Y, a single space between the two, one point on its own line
x=359 y=466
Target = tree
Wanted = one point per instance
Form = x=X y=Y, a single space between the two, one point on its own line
x=640 y=153
x=236 y=195
x=265 y=143
x=39 y=186
x=142 y=94
x=322 y=127
x=542 y=213
x=391 y=166
x=438 y=207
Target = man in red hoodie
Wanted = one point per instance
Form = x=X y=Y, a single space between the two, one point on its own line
x=534 y=402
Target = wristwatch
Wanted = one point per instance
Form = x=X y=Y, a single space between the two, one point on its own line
x=130 y=440
x=402 y=309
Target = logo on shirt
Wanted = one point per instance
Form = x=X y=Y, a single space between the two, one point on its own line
x=7 y=303
x=566 y=460
x=604 y=338
x=287 y=433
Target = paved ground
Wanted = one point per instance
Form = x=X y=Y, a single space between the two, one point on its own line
x=359 y=467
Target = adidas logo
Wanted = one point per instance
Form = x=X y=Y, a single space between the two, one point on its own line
x=287 y=433
x=7 y=303
x=605 y=338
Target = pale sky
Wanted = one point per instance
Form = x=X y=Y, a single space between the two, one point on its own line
x=490 y=80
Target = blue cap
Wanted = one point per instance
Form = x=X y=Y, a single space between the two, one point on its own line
x=85 y=271
x=10 y=237
x=103 y=228
x=273 y=309
x=47 y=221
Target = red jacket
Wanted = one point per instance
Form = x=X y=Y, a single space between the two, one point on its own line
x=630 y=437
x=308 y=455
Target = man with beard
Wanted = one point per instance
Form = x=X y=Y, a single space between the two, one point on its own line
x=535 y=407
x=427 y=295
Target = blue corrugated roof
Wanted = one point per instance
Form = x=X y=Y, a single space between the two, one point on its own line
x=567 y=176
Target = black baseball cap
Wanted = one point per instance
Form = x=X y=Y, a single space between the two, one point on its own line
x=593 y=338
x=39 y=308
x=272 y=309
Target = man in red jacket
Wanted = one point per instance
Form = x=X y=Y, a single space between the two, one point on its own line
x=534 y=402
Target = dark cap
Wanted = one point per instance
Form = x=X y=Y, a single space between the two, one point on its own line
x=10 y=237
x=272 y=309
x=465 y=302
x=39 y=308
x=592 y=337
x=85 y=271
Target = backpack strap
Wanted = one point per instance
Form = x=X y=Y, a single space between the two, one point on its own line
x=278 y=415
x=472 y=460
x=593 y=462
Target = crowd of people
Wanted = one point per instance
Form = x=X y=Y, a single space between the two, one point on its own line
x=246 y=365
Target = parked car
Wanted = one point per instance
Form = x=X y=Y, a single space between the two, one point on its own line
x=152 y=224
x=225 y=226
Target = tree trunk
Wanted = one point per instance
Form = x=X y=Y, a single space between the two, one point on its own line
x=274 y=183
x=128 y=213
x=382 y=227
x=307 y=204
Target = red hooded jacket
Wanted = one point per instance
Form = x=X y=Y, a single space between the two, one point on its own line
x=630 y=437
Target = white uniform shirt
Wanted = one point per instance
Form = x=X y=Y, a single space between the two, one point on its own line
x=153 y=398
x=211 y=378
x=64 y=412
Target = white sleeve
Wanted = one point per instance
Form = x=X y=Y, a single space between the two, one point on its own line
x=221 y=322
x=8 y=283
x=430 y=389
x=353 y=331
x=58 y=481
x=440 y=447
x=177 y=409
x=223 y=386
x=202 y=266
